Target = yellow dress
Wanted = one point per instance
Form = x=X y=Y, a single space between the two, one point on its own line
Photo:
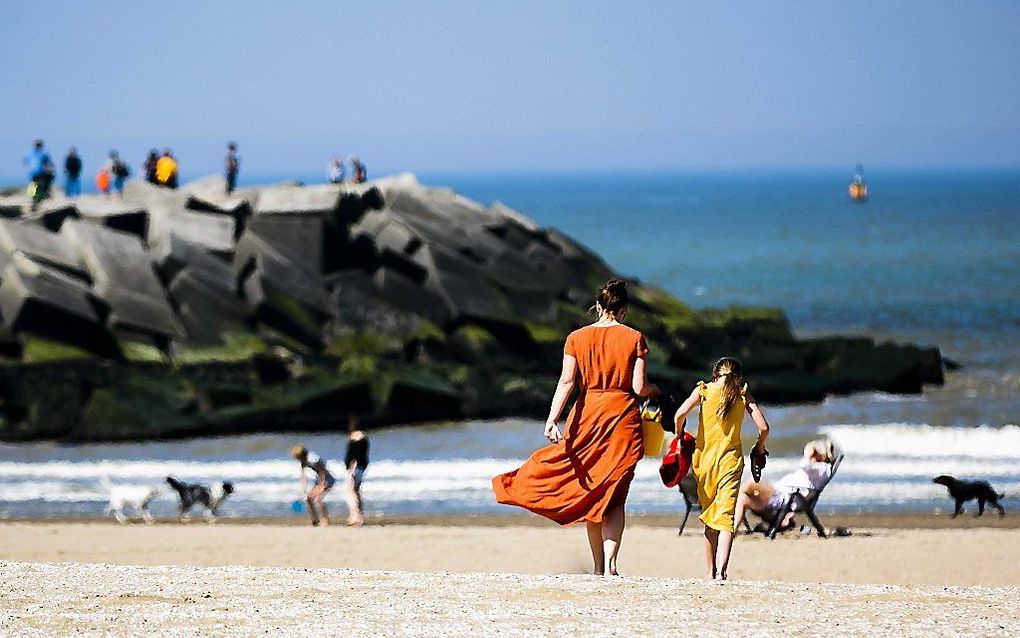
x=718 y=457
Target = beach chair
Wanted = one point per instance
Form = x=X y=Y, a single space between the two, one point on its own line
x=803 y=502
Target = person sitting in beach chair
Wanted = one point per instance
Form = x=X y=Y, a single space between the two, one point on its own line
x=797 y=491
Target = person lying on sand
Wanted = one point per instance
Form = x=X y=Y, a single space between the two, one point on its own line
x=766 y=500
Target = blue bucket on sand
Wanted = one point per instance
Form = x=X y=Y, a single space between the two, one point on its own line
x=297 y=506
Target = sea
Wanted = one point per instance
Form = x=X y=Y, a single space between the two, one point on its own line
x=933 y=257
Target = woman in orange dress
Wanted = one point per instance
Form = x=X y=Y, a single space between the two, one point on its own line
x=586 y=473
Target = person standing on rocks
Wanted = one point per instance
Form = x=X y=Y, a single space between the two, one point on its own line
x=356 y=461
x=150 y=166
x=166 y=170
x=324 y=482
x=232 y=165
x=358 y=172
x=119 y=172
x=585 y=475
x=40 y=172
x=335 y=171
x=72 y=173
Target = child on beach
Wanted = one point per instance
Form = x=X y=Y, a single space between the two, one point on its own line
x=324 y=482
x=719 y=457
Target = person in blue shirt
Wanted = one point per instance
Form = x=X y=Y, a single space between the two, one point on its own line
x=39 y=168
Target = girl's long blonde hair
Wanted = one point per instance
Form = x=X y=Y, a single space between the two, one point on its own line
x=731 y=372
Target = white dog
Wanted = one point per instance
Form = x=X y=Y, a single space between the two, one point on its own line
x=137 y=497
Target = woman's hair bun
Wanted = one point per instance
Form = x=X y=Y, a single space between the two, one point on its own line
x=613 y=296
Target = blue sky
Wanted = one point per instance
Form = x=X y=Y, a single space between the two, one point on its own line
x=522 y=86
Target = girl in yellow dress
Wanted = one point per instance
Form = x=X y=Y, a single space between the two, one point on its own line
x=719 y=456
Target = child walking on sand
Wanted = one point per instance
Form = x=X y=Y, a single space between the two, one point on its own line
x=719 y=457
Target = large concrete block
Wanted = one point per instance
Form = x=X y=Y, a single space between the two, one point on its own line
x=285 y=297
x=397 y=246
x=468 y=292
x=173 y=253
x=298 y=237
x=13 y=205
x=321 y=199
x=399 y=291
x=114 y=213
x=125 y=277
x=357 y=303
x=141 y=314
x=142 y=194
x=42 y=246
x=41 y=301
x=207 y=308
x=213 y=232
x=115 y=260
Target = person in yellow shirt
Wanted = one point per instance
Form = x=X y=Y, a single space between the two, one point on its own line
x=166 y=170
x=719 y=457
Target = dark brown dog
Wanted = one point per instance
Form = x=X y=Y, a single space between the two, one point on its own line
x=963 y=491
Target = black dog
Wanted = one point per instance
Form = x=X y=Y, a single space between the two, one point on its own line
x=193 y=493
x=963 y=491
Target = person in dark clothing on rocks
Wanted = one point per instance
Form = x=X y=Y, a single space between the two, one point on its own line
x=356 y=461
x=232 y=165
x=358 y=172
x=72 y=173
x=150 y=166
x=40 y=171
x=119 y=172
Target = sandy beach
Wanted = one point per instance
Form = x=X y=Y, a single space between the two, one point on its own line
x=423 y=578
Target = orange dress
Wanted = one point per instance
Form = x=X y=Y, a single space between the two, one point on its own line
x=590 y=471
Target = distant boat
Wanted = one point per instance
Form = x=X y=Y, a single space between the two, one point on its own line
x=858 y=187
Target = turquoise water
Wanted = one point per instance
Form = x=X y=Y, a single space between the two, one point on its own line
x=931 y=258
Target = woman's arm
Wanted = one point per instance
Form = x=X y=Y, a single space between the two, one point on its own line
x=686 y=408
x=759 y=419
x=642 y=387
x=560 y=396
x=304 y=480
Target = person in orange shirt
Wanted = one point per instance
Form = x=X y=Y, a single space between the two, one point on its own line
x=103 y=181
x=166 y=170
x=585 y=475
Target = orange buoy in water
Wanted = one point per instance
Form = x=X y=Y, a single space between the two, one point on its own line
x=858 y=187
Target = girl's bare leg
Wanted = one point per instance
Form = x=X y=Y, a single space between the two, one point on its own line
x=711 y=541
x=742 y=502
x=312 y=510
x=725 y=544
x=323 y=512
x=598 y=553
x=316 y=506
x=612 y=536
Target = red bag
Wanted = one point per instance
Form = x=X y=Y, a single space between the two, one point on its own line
x=677 y=461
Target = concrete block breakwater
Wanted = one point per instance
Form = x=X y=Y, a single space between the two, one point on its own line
x=175 y=313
